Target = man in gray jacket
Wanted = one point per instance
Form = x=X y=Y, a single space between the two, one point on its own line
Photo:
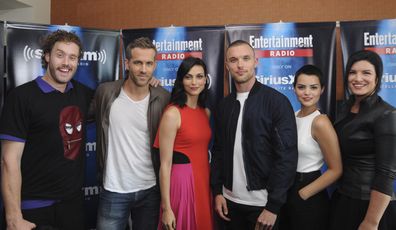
x=128 y=113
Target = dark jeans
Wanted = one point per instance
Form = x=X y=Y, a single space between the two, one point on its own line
x=115 y=208
x=310 y=214
x=63 y=215
x=243 y=216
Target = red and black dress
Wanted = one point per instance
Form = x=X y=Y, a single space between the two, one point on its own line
x=189 y=181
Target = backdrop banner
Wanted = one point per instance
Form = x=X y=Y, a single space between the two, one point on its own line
x=176 y=43
x=282 y=48
x=99 y=63
x=378 y=36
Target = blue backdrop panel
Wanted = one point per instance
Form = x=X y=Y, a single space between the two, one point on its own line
x=175 y=43
x=378 y=36
x=282 y=48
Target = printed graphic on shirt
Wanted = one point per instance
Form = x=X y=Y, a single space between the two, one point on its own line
x=70 y=125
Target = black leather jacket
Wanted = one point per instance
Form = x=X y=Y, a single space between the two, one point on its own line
x=368 y=147
x=269 y=143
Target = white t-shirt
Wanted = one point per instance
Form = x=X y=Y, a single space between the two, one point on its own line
x=129 y=167
x=239 y=193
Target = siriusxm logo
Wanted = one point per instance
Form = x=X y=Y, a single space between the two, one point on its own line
x=97 y=56
x=91 y=190
x=388 y=78
x=90 y=147
x=29 y=53
x=276 y=80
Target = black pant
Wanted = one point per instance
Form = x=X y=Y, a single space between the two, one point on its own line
x=310 y=214
x=243 y=216
x=347 y=213
x=62 y=215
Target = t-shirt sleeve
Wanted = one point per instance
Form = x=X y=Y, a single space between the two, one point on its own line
x=14 y=119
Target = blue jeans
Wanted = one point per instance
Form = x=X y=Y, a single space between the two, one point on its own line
x=115 y=208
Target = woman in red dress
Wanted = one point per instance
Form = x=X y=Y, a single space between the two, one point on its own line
x=183 y=138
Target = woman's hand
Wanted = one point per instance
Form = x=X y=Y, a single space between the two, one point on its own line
x=367 y=225
x=168 y=220
x=302 y=194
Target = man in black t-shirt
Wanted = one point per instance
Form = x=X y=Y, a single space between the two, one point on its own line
x=42 y=137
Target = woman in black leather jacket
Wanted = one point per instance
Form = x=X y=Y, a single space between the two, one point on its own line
x=366 y=128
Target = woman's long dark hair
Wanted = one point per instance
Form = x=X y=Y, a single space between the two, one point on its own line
x=178 y=95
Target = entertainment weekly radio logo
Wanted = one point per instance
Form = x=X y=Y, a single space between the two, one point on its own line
x=96 y=56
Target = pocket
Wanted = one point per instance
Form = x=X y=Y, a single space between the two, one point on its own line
x=300 y=198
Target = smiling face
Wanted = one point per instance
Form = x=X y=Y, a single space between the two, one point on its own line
x=194 y=81
x=308 y=90
x=62 y=63
x=362 y=79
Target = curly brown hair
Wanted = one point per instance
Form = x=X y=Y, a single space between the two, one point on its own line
x=59 y=36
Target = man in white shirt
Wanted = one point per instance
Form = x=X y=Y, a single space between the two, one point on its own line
x=128 y=112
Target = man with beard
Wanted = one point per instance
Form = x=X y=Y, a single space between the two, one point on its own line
x=42 y=138
x=254 y=157
x=128 y=113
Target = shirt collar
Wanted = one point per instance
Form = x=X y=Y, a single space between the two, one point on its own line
x=47 y=88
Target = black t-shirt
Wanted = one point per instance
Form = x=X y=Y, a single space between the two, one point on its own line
x=53 y=127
